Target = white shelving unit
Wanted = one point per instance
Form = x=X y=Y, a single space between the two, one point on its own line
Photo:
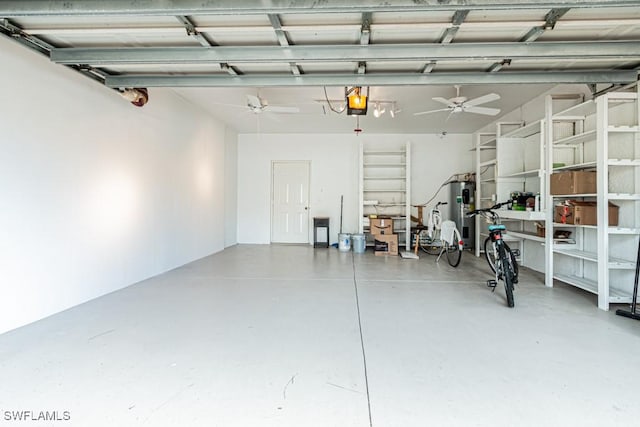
x=485 y=153
x=518 y=165
x=606 y=138
x=385 y=187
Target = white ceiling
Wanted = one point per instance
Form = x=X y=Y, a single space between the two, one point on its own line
x=229 y=104
x=406 y=51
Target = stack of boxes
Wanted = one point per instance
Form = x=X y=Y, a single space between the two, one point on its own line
x=574 y=211
x=385 y=241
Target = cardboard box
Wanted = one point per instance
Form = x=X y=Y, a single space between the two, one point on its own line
x=582 y=213
x=385 y=244
x=573 y=182
x=381 y=226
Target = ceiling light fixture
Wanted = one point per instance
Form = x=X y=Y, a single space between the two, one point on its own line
x=356 y=100
x=394 y=110
x=377 y=112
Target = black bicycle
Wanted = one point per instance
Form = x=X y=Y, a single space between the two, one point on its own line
x=499 y=255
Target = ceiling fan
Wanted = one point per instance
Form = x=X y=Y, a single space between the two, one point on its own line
x=259 y=105
x=460 y=104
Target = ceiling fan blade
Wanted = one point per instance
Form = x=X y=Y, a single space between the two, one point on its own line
x=443 y=101
x=483 y=99
x=481 y=110
x=432 y=111
x=282 y=109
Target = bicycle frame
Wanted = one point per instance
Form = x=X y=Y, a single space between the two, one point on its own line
x=434 y=220
x=495 y=234
x=441 y=237
x=503 y=259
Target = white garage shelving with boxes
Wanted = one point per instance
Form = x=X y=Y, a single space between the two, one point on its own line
x=605 y=138
x=385 y=187
x=601 y=135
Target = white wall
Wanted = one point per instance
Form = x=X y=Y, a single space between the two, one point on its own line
x=334 y=172
x=95 y=193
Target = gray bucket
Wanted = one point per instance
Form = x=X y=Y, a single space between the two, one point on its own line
x=344 y=242
x=359 y=243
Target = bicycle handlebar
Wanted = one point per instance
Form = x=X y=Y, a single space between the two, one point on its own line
x=491 y=209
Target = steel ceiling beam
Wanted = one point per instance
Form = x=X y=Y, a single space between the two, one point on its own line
x=283 y=40
x=346 y=53
x=543 y=77
x=458 y=18
x=16 y=33
x=16 y=8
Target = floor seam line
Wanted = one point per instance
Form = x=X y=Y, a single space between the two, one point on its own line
x=364 y=356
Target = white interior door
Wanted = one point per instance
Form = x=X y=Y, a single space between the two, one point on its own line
x=290 y=202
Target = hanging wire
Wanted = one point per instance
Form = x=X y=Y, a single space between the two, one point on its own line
x=326 y=97
x=448 y=181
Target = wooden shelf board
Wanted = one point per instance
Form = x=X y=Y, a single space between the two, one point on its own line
x=525 y=235
x=577 y=166
x=579 y=282
x=623 y=162
x=384 y=153
x=384 y=178
x=576 y=253
x=522 y=215
x=571 y=196
x=624 y=230
x=385 y=165
x=524 y=131
x=577 y=139
x=623 y=129
x=584 y=108
x=623 y=196
x=525 y=174
x=558 y=224
x=621 y=264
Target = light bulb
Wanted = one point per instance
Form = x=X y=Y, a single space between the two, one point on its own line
x=377 y=112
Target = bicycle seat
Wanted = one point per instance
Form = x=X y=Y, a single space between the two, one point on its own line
x=497 y=227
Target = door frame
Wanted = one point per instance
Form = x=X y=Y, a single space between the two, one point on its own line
x=272 y=201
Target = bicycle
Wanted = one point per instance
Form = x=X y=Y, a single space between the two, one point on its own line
x=499 y=256
x=440 y=237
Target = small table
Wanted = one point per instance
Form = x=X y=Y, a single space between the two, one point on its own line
x=320 y=222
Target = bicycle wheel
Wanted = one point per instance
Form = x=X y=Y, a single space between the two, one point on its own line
x=491 y=260
x=431 y=246
x=513 y=265
x=454 y=252
x=507 y=274
x=489 y=254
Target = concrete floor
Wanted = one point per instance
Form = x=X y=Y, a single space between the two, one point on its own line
x=292 y=336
